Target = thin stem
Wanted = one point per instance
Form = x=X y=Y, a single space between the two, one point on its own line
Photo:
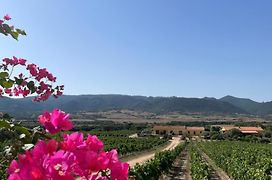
x=11 y=71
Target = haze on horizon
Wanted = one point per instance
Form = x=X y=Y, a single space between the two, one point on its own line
x=152 y=48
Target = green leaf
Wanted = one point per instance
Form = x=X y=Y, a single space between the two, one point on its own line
x=20 y=31
x=15 y=35
x=2 y=31
x=8 y=84
x=18 y=81
x=31 y=86
x=1 y=82
x=6 y=28
x=22 y=130
x=4 y=124
x=4 y=74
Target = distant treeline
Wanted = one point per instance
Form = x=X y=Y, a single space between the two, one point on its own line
x=98 y=125
x=209 y=123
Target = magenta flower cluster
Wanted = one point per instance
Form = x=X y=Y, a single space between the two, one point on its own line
x=73 y=157
x=56 y=121
x=3 y=21
x=38 y=81
x=5 y=18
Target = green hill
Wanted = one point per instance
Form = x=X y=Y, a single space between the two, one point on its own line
x=74 y=103
x=243 y=103
x=250 y=106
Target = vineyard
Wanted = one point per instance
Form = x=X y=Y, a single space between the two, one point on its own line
x=114 y=133
x=126 y=145
x=120 y=140
x=199 y=169
x=241 y=160
x=161 y=163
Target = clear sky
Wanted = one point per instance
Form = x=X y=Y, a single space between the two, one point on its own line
x=148 y=47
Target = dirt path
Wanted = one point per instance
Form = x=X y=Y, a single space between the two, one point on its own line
x=180 y=170
x=216 y=172
x=147 y=156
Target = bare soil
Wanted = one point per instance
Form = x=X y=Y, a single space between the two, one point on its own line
x=147 y=156
x=180 y=169
x=217 y=173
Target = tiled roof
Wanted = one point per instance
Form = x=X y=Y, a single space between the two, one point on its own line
x=169 y=127
x=251 y=128
x=195 y=128
x=245 y=129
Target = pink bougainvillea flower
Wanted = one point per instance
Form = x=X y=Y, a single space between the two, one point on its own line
x=113 y=157
x=22 y=61
x=42 y=73
x=56 y=121
x=88 y=160
x=8 y=91
x=103 y=161
x=46 y=162
x=13 y=167
x=94 y=143
x=73 y=141
x=26 y=92
x=32 y=69
x=60 y=165
x=42 y=148
x=73 y=157
x=7 y=17
x=43 y=86
x=119 y=171
x=8 y=61
x=25 y=169
x=51 y=77
x=15 y=61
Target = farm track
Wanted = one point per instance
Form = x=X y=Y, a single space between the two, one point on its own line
x=180 y=170
x=216 y=172
x=145 y=157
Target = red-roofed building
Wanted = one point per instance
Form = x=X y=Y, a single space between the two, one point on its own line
x=244 y=130
x=251 y=130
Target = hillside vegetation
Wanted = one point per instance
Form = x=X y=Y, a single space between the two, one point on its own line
x=159 y=105
x=252 y=107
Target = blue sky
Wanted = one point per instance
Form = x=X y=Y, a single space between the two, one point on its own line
x=155 y=47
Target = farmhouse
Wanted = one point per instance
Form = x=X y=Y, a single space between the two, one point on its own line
x=170 y=130
x=195 y=131
x=251 y=130
x=178 y=130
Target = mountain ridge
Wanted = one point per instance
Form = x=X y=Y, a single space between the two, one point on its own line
x=24 y=107
x=252 y=107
